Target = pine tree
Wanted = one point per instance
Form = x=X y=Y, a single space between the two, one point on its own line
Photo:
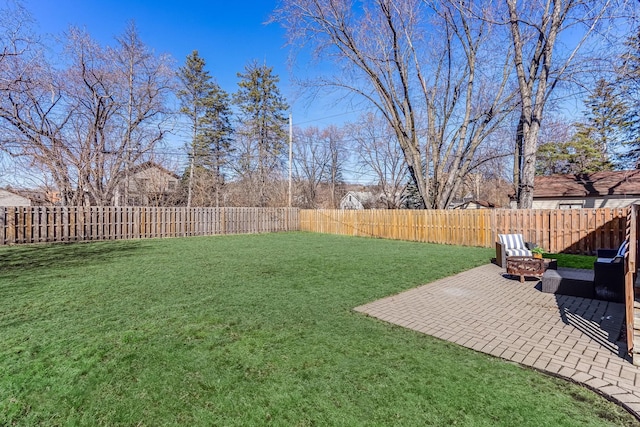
x=585 y=152
x=589 y=149
x=207 y=108
x=215 y=134
x=262 y=127
x=628 y=85
x=581 y=154
x=553 y=158
x=411 y=196
x=605 y=121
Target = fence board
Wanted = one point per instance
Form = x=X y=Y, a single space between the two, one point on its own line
x=575 y=231
x=572 y=230
x=630 y=277
x=33 y=224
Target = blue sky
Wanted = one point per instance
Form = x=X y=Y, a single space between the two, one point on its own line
x=227 y=34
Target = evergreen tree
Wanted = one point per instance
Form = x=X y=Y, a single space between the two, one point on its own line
x=581 y=154
x=605 y=121
x=552 y=158
x=215 y=134
x=588 y=150
x=585 y=154
x=411 y=196
x=207 y=108
x=262 y=129
x=628 y=84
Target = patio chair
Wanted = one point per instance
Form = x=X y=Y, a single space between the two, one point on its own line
x=511 y=245
x=612 y=255
x=608 y=272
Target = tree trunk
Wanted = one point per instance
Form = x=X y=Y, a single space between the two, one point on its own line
x=530 y=147
x=517 y=158
x=190 y=187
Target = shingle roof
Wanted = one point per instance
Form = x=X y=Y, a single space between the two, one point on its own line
x=622 y=183
x=148 y=165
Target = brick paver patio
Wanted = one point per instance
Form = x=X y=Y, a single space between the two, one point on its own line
x=481 y=309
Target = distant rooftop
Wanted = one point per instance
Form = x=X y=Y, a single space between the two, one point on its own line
x=607 y=183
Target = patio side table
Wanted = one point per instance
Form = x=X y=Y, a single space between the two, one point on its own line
x=569 y=281
x=550 y=264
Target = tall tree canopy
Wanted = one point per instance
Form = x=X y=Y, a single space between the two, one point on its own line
x=87 y=123
x=261 y=132
x=628 y=85
x=592 y=145
x=207 y=108
x=605 y=122
x=428 y=67
x=446 y=74
x=548 y=37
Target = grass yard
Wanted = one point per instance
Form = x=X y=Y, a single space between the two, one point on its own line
x=250 y=331
x=573 y=261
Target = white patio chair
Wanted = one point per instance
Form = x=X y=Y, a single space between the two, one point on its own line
x=511 y=245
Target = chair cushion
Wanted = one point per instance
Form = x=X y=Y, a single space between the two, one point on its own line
x=518 y=252
x=512 y=241
x=623 y=249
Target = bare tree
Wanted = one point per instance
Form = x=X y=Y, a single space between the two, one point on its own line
x=32 y=116
x=378 y=151
x=20 y=51
x=333 y=138
x=547 y=37
x=311 y=162
x=88 y=123
x=144 y=83
x=429 y=69
x=202 y=186
x=16 y=38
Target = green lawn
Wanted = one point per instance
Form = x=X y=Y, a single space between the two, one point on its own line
x=249 y=331
x=573 y=261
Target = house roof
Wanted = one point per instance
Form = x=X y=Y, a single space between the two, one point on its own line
x=149 y=165
x=41 y=196
x=362 y=196
x=483 y=203
x=606 y=183
x=467 y=203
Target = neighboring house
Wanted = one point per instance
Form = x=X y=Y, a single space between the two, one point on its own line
x=8 y=198
x=475 y=204
x=42 y=197
x=608 y=189
x=357 y=200
x=148 y=184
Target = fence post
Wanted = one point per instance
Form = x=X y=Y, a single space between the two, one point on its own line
x=3 y=223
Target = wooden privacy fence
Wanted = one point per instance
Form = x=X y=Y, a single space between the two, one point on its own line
x=571 y=231
x=630 y=272
x=33 y=224
x=579 y=231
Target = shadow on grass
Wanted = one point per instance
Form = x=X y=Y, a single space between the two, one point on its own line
x=21 y=259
